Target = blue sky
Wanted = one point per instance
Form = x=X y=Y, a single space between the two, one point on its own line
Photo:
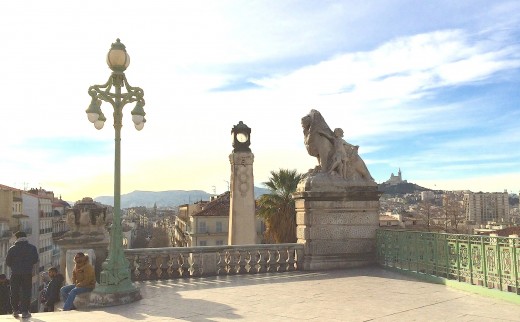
x=430 y=87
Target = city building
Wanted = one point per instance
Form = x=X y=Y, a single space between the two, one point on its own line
x=12 y=219
x=427 y=196
x=37 y=204
x=483 y=207
x=206 y=223
x=182 y=222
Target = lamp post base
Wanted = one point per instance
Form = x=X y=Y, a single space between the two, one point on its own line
x=99 y=298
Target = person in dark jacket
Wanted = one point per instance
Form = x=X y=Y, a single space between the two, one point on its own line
x=52 y=291
x=5 y=293
x=21 y=258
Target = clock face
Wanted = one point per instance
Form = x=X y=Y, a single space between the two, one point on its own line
x=241 y=137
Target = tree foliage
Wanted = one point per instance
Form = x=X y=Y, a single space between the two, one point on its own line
x=277 y=208
x=159 y=238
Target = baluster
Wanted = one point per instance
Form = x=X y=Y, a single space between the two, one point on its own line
x=299 y=259
x=147 y=271
x=282 y=261
x=270 y=261
x=233 y=260
x=177 y=264
x=184 y=268
x=170 y=270
x=141 y=267
x=195 y=266
x=132 y=265
x=152 y=269
x=221 y=263
x=290 y=260
x=241 y=261
x=228 y=259
x=261 y=264
x=250 y=262
x=162 y=266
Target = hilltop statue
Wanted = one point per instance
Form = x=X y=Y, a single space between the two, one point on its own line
x=337 y=158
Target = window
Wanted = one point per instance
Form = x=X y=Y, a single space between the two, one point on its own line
x=201 y=227
x=203 y=243
x=220 y=242
x=219 y=227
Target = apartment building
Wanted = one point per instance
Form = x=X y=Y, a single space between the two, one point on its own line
x=483 y=207
x=207 y=223
x=183 y=223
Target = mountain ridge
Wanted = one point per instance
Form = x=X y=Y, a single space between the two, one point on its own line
x=167 y=198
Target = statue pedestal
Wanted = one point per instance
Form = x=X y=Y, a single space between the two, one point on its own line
x=98 y=243
x=336 y=221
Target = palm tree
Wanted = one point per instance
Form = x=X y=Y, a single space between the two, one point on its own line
x=277 y=208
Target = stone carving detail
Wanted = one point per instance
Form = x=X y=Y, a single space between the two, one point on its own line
x=241 y=162
x=87 y=219
x=336 y=157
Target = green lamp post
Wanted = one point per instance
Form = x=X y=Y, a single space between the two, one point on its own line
x=115 y=285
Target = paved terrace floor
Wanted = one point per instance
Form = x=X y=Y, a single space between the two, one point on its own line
x=367 y=294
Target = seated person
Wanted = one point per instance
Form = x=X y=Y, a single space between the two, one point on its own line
x=83 y=279
x=52 y=290
x=5 y=293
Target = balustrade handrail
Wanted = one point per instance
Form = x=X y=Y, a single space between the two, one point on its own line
x=210 y=249
x=175 y=262
x=488 y=261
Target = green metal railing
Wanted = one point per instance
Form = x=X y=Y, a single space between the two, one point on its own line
x=492 y=262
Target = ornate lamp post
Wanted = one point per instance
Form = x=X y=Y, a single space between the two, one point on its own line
x=115 y=286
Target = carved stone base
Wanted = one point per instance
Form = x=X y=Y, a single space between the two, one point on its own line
x=97 y=299
x=337 y=227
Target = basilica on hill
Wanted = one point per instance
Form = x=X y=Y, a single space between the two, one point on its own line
x=395 y=179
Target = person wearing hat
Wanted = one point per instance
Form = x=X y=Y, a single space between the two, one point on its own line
x=21 y=258
x=83 y=279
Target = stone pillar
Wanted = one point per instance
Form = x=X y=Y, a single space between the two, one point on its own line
x=99 y=247
x=242 y=223
x=336 y=224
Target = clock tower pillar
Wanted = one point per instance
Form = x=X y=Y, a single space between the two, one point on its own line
x=242 y=221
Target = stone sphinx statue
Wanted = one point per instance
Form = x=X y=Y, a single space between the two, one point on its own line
x=337 y=159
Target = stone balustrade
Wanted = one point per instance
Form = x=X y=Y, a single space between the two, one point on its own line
x=176 y=262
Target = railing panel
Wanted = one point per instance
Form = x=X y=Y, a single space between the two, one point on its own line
x=177 y=262
x=492 y=262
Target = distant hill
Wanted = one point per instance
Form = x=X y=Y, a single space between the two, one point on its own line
x=170 y=198
x=400 y=188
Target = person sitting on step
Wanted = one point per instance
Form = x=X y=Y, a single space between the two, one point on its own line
x=83 y=279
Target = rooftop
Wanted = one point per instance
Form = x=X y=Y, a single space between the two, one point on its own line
x=361 y=294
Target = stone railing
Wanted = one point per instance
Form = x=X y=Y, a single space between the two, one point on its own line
x=488 y=261
x=175 y=262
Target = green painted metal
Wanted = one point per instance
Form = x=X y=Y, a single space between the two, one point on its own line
x=488 y=262
x=115 y=276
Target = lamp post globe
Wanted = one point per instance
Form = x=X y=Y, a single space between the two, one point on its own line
x=117 y=58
